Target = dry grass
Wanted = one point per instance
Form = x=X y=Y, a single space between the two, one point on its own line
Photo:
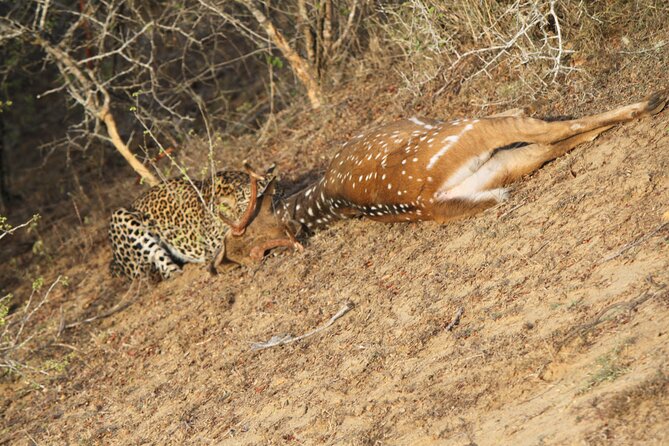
x=532 y=43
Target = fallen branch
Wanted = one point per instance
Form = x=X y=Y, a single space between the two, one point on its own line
x=287 y=339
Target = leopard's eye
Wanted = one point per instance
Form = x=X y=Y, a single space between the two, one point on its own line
x=224 y=208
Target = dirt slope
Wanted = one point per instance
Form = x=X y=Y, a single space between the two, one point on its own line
x=562 y=337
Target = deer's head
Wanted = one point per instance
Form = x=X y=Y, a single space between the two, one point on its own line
x=264 y=231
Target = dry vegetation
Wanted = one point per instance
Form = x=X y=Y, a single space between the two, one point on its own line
x=560 y=294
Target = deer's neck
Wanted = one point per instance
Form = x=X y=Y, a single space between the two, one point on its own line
x=311 y=208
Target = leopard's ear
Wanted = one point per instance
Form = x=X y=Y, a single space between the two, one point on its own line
x=269 y=173
x=268 y=184
x=268 y=190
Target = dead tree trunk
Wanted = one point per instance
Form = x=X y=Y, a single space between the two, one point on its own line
x=305 y=27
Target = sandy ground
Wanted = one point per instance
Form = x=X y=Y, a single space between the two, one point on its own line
x=562 y=335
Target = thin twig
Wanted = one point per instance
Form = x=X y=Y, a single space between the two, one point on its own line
x=636 y=242
x=456 y=319
x=27 y=317
x=61 y=344
x=511 y=210
x=287 y=339
x=536 y=251
x=655 y=47
x=11 y=230
x=121 y=306
x=31 y=438
x=630 y=305
x=558 y=57
x=116 y=309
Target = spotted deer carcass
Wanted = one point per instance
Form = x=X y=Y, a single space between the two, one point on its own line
x=421 y=169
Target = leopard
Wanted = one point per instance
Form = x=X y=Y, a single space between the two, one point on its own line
x=179 y=221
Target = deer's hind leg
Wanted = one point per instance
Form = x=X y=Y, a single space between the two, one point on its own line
x=483 y=187
x=508 y=165
x=544 y=132
x=487 y=136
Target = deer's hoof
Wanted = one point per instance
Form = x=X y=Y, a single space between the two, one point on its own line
x=657 y=101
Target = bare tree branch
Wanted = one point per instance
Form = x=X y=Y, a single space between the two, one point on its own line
x=87 y=94
x=303 y=70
